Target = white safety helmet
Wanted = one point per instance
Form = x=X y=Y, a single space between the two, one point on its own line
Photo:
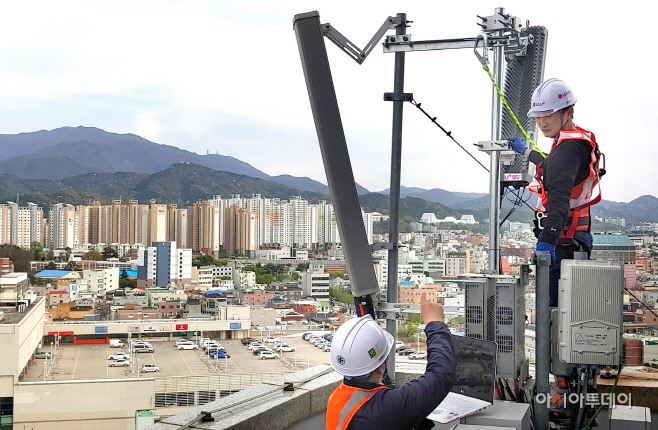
x=359 y=347
x=549 y=97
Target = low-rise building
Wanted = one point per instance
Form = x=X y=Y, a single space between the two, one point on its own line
x=256 y=298
x=70 y=311
x=136 y=312
x=169 y=309
x=13 y=287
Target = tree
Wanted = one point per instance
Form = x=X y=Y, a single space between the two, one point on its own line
x=264 y=279
x=221 y=262
x=19 y=256
x=411 y=328
x=50 y=266
x=36 y=249
x=302 y=267
x=68 y=253
x=203 y=260
x=72 y=266
x=109 y=252
x=295 y=276
x=92 y=255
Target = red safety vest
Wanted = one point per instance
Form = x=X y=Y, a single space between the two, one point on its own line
x=344 y=402
x=583 y=195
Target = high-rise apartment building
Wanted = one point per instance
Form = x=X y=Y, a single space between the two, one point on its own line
x=158 y=222
x=5 y=224
x=162 y=264
x=240 y=226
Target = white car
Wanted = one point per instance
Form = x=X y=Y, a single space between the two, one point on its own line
x=118 y=363
x=150 y=368
x=267 y=354
x=212 y=345
x=179 y=341
x=187 y=346
x=118 y=356
x=255 y=345
x=285 y=348
x=141 y=343
x=327 y=347
x=418 y=355
x=270 y=339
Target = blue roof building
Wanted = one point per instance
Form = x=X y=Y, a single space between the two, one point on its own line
x=52 y=274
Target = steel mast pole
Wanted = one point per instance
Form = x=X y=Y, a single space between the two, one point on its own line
x=394 y=194
x=494 y=166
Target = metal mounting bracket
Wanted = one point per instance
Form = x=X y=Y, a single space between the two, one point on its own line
x=383 y=245
x=393 y=97
x=351 y=49
x=493 y=145
x=393 y=311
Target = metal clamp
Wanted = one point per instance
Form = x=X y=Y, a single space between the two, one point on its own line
x=393 y=311
x=393 y=97
x=484 y=58
x=492 y=145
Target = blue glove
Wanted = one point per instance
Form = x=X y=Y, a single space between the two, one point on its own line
x=517 y=145
x=545 y=246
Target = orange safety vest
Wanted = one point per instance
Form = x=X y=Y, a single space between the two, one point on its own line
x=583 y=195
x=344 y=402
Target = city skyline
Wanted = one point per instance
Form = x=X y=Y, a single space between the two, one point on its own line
x=166 y=77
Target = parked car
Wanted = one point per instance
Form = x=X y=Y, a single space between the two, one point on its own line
x=212 y=345
x=181 y=340
x=247 y=340
x=220 y=355
x=285 y=348
x=42 y=354
x=408 y=352
x=140 y=343
x=143 y=348
x=267 y=354
x=399 y=347
x=402 y=350
x=261 y=349
x=150 y=368
x=327 y=347
x=118 y=356
x=119 y=363
x=255 y=345
x=116 y=343
x=270 y=339
x=187 y=346
x=215 y=349
x=184 y=342
x=418 y=355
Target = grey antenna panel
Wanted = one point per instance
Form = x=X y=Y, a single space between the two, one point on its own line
x=522 y=75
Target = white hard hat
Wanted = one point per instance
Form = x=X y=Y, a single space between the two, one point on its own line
x=551 y=96
x=359 y=347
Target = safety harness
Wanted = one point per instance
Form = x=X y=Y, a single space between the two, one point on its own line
x=583 y=195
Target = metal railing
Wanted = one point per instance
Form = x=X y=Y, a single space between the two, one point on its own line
x=199 y=390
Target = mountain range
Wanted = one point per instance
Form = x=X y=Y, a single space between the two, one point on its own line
x=78 y=164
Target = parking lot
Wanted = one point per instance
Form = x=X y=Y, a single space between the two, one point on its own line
x=82 y=362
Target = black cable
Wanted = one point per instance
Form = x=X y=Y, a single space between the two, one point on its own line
x=449 y=134
x=641 y=302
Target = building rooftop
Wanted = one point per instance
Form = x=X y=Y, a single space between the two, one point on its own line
x=608 y=241
x=52 y=273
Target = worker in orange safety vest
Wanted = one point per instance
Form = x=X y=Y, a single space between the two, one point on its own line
x=359 y=351
x=567 y=180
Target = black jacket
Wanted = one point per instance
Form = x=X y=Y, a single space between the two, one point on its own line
x=565 y=167
x=406 y=407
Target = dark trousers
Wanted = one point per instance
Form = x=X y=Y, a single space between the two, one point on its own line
x=584 y=240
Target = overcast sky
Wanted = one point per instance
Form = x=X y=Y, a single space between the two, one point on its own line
x=225 y=76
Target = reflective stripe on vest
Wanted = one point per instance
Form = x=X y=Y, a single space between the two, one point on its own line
x=344 y=402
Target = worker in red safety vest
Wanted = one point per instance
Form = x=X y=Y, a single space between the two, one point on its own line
x=567 y=180
x=359 y=351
